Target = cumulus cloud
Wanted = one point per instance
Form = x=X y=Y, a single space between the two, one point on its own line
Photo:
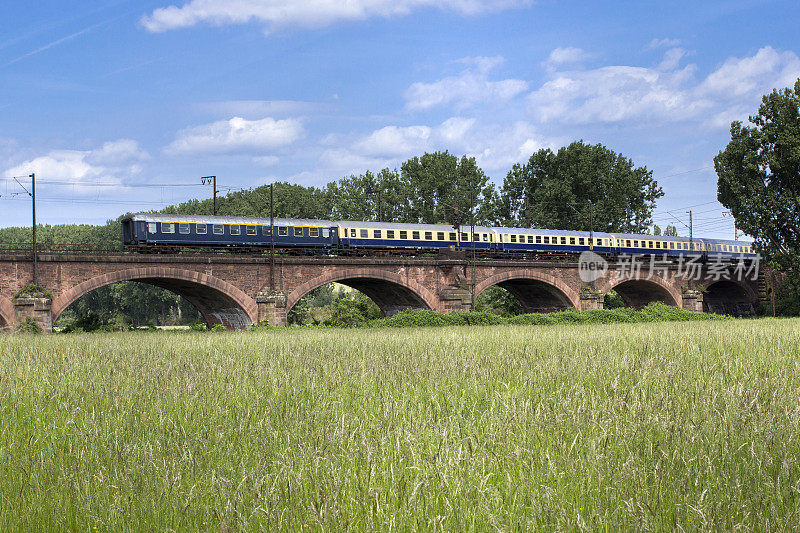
x=470 y=87
x=495 y=146
x=664 y=93
x=112 y=163
x=237 y=135
x=564 y=56
x=275 y=14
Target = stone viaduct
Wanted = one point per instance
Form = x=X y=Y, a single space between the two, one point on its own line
x=235 y=290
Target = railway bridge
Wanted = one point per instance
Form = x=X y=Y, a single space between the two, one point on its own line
x=239 y=290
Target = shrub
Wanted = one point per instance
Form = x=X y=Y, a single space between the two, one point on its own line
x=29 y=325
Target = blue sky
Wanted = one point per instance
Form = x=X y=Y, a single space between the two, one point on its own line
x=105 y=99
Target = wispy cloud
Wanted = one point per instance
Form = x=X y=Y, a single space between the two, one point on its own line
x=55 y=43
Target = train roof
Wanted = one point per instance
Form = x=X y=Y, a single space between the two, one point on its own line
x=556 y=232
x=209 y=219
x=406 y=226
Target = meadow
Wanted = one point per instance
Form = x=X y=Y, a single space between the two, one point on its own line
x=650 y=426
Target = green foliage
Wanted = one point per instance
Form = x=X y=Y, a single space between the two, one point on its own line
x=355 y=312
x=654 y=312
x=671 y=231
x=198 y=326
x=759 y=176
x=33 y=290
x=29 y=325
x=218 y=328
x=498 y=301
x=787 y=302
x=91 y=322
x=561 y=190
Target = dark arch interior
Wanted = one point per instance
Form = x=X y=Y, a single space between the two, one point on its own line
x=3 y=324
x=639 y=293
x=389 y=297
x=727 y=297
x=536 y=296
x=205 y=303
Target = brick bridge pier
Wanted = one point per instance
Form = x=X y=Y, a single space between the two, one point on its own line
x=235 y=290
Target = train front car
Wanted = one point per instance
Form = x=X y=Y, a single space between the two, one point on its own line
x=360 y=234
x=156 y=230
x=552 y=241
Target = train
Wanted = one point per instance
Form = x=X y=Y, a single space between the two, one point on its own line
x=151 y=232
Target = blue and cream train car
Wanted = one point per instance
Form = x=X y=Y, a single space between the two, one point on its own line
x=150 y=229
x=360 y=234
x=550 y=240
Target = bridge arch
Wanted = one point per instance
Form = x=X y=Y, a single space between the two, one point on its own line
x=536 y=291
x=729 y=297
x=218 y=301
x=640 y=290
x=6 y=314
x=390 y=291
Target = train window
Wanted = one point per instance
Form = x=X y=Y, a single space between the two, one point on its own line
x=235 y=229
x=452 y=236
x=167 y=227
x=477 y=238
x=266 y=230
x=183 y=228
x=404 y=235
x=376 y=234
x=538 y=239
x=326 y=233
x=298 y=232
x=530 y=239
x=352 y=232
x=513 y=238
x=628 y=243
x=251 y=230
x=439 y=235
x=580 y=241
x=219 y=229
x=546 y=239
x=200 y=229
x=313 y=232
x=635 y=244
x=658 y=244
x=390 y=234
x=284 y=231
x=415 y=235
x=151 y=227
x=364 y=233
x=428 y=235
x=572 y=240
x=486 y=237
x=464 y=236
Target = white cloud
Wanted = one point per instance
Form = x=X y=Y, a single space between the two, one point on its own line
x=663 y=43
x=469 y=88
x=564 y=56
x=261 y=108
x=495 y=146
x=275 y=14
x=237 y=135
x=664 y=93
x=112 y=163
x=766 y=70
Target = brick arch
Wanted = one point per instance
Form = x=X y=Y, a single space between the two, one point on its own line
x=674 y=293
x=571 y=295
x=6 y=313
x=427 y=297
x=162 y=277
x=752 y=295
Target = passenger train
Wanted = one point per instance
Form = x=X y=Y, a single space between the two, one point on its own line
x=150 y=232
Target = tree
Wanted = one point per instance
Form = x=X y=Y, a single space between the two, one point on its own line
x=440 y=188
x=561 y=190
x=671 y=231
x=656 y=229
x=759 y=176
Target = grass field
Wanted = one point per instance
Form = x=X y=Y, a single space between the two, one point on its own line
x=634 y=426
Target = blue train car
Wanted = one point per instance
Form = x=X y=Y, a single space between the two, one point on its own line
x=550 y=240
x=360 y=234
x=631 y=243
x=151 y=229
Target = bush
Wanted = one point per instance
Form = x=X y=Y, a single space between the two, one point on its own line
x=91 y=322
x=218 y=328
x=29 y=325
x=353 y=313
x=198 y=326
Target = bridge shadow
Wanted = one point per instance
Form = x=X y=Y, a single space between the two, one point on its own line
x=638 y=293
x=728 y=298
x=217 y=301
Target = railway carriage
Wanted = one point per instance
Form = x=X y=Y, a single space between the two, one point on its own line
x=151 y=231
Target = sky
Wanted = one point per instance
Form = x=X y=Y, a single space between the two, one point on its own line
x=122 y=106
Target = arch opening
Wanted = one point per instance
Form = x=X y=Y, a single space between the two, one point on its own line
x=728 y=298
x=387 y=297
x=637 y=293
x=6 y=315
x=215 y=300
x=534 y=296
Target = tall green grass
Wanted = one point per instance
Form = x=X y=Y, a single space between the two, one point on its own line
x=635 y=426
